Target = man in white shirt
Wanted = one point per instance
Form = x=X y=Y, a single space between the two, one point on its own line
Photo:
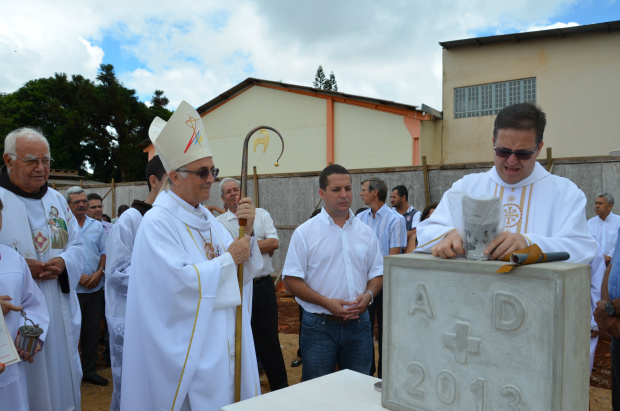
x=264 y=301
x=334 y=268
x=604 y=226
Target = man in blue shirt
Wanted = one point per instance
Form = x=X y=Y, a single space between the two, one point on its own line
x=90 y=288
x=390 y=228
x=607 y=316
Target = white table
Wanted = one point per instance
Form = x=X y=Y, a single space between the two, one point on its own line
x=342 y=390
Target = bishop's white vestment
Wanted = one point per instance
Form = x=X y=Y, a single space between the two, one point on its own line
x=179 y=350
x=547 y=210
x=16 y=282
x=42 y=229
x=119 y=247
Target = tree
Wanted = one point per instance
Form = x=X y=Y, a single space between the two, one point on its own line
x=158 y=105
x=60 y=108
x=323 y=83
x=159 y=99
x=319 y=78
x=332 y=82
x=86 y=123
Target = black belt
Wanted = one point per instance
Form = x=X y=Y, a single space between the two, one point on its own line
x=257 y=279
x=333 y=318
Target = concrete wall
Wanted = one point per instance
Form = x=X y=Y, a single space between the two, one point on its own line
x=291 y=199
x=577 y=86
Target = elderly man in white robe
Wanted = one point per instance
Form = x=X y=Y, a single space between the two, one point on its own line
x=539 y=207
x=40 y=227
x=179 y=351
x=118 y=269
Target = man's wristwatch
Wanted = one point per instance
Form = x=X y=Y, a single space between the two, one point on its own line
x=372 y=297
x=102 y=270
x=610 y=310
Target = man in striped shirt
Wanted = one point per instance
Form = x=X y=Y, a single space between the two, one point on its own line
x=390 y=228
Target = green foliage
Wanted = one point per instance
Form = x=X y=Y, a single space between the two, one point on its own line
x=99 y=123
x=323 y=83
x=333 y=86
x=319 y=78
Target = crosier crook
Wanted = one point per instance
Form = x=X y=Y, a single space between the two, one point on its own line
x=242 y=223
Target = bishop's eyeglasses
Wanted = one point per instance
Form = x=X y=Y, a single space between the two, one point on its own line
x=203 y=173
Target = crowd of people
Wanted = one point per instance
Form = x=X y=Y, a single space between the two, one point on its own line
x=164 y=273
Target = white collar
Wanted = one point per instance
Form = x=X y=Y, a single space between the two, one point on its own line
x=538 y=173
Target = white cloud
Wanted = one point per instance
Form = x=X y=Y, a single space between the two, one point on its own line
x=552 y=26
x=95 y=53
x=196 y=51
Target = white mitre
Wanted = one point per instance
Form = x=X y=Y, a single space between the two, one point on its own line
x=182 y=139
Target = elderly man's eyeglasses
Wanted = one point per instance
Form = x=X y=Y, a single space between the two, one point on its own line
x=203 y=173
x=79 y=202
x=33 y=161
x=521 y=155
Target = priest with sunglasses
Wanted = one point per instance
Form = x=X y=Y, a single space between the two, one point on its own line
x=179 y=348
x=539 y=207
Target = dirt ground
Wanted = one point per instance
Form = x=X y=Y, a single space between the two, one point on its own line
x=96 y=398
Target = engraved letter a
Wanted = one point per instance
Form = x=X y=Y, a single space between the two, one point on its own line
x=509 y=312
x=421 y=302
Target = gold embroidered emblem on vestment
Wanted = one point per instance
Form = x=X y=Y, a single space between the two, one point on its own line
x=512 y=213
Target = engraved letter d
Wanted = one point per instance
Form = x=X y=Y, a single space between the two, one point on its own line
x=509 y=312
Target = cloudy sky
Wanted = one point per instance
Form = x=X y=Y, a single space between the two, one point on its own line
x=195 y=50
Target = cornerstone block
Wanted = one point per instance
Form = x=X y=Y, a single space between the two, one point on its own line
x=459 y=336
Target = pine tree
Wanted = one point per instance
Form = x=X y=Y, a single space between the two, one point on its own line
x=324 y=83
x=319 y=78
x=332 y=81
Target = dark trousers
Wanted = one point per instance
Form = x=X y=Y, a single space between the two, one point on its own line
x=91 y=306
x=299 y=338
x=615 y=373
x=265 y=330
x=377 y=309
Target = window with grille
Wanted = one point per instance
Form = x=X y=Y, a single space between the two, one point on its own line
x=489 y=99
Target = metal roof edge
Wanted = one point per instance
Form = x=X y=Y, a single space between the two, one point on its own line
x=608 y=26
x=250 y=81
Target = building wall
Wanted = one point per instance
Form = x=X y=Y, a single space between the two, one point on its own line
x=430 y=141
x=365 y=138
x=300 y=119
x=578 y=84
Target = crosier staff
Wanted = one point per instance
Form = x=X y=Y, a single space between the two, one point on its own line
x=242 y=223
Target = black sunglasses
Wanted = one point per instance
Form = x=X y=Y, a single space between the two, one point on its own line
x=203 y=173
x=521 y=155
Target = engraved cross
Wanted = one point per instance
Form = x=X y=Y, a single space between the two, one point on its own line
x=462 y=343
